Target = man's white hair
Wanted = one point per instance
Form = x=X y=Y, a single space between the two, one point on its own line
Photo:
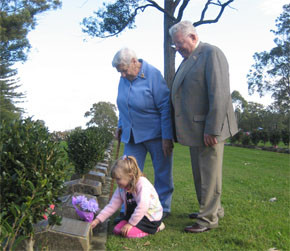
x=185 y=27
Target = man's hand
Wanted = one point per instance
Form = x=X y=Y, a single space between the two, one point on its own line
x=95 y=223
x=209 y=140
x=125 y=229
x=167 y=146
x=118 y=133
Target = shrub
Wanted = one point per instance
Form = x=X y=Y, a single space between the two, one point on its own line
x=237 y=137
x=264 y=136
x=275 y=137
x=285 y=137
x=255 y=137
x=246 y=139
x=33 y=170
x=87 y=147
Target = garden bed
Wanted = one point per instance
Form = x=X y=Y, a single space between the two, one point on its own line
x=265 y=148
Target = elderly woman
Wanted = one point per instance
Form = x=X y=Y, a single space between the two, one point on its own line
x=144 y=119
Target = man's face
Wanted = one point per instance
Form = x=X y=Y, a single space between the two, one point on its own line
x=129 y=72
x=184 y=44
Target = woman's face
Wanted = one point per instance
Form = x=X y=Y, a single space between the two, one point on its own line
x=130 y=71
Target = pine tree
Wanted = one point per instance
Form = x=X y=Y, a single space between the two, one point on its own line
x=17 y=18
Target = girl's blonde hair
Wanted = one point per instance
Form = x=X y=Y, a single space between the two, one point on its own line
x=129 y=167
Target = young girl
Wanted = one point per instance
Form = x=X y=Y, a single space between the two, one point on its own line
x=143 y=210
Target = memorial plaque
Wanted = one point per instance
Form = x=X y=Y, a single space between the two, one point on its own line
x=71 y=235
x=73 y=227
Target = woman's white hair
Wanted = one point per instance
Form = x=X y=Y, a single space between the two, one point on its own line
x=123 y=57
x=185 y=27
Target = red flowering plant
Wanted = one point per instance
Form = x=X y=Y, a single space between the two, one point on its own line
x=51 y=216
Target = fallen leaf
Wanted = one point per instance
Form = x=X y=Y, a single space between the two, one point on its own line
x=147 y=243
x=126 y=248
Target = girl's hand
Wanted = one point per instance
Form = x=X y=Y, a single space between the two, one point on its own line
x=95 y=223
x=125 y=229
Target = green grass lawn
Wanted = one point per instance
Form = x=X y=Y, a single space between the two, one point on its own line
x=250 y=179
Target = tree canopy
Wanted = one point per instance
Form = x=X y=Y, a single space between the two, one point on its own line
x=270 y=72
x=115 y=16
x=103 y=114
x=17 y=18
x=252 y=116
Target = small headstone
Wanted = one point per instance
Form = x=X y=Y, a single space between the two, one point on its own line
x=67 y=209
x=106 y=160
x=94 y=175
x=101 y=169
x=71 y=235
x=106 y=188
x=84 y=186
x=92 y=187
x=103 y=200
x=103 y=164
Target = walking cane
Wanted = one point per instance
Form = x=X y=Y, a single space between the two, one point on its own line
x=116 y=157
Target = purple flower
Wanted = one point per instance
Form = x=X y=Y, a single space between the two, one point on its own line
x=92 y=206
x=82 y=203
x=79 y=199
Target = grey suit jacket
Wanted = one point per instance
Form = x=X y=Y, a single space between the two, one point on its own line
x=201 y=99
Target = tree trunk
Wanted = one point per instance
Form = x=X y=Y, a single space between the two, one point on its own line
x=169 y=52
x=29 y=244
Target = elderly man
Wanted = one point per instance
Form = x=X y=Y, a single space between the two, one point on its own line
x=145 y=119
x=203 y=118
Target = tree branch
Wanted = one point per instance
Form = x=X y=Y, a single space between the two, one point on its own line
x=154 y=4
x=142 y=8
x=181 y=10
x=223 y=6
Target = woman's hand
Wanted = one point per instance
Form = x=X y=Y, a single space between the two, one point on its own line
x=125 y=229
x=94 y=223
x=167 y=146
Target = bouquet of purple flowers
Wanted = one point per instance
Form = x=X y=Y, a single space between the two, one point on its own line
x=85 y=208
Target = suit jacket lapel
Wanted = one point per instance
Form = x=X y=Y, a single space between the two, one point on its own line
x=184 y=68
